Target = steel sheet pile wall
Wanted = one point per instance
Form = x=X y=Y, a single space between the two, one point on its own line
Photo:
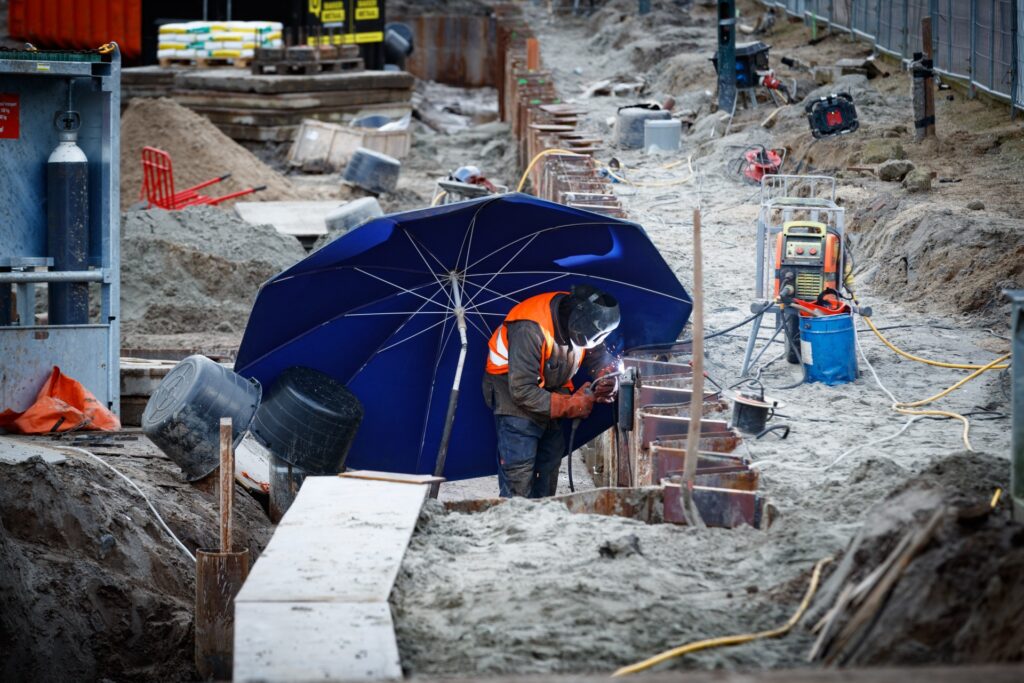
x=979 y=41
x=541 y=121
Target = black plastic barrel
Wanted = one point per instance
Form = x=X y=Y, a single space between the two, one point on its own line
x=308 y=419
x=373 y=171
x=183 y=415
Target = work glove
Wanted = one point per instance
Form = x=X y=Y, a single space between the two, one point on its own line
x=573 y=406
x=606 y=390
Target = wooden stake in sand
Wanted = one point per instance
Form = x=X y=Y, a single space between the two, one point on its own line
x=697 y=392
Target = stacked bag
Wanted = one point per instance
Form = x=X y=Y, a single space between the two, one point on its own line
x=217 y=39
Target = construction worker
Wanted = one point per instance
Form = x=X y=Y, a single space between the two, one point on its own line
x=531 y=360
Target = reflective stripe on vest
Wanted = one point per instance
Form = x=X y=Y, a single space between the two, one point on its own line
x=535 y=309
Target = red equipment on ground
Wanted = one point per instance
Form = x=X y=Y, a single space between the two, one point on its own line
x=760 y=161
x=158 y=184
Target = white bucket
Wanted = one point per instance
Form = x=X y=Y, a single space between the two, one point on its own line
x=662 y=135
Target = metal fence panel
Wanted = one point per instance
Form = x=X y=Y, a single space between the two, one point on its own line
x=981 y=41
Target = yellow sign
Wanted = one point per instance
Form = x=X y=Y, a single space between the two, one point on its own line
x=314 y=7
x=367 y=13
x=370 y=37
x=332 y=15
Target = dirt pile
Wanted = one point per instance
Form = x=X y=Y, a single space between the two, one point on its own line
x=198 y=150
x=955 y=259
x=960 y=600
x=196 y=269
x=92 y=588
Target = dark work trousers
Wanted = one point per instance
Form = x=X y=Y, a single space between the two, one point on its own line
x=528 y=457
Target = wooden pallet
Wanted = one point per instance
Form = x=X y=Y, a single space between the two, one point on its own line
x=206 y=62
x=305 y=68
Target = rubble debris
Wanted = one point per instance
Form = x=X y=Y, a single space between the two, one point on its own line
x=918 y=180
x=879 y=151
x=894 y=170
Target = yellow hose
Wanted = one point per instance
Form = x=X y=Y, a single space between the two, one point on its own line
x=533 y=162
x=440 y=195
x=732 y=640
x=936 y=363
x=904 y=406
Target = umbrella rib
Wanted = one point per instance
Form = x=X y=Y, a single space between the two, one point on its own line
x=413 y=336
x=575 y=274
x=426 y=263
x=507 y=264
x=397 y=330
x=400 y=288
x=494 y=291
x=521 y=289
x=320 y=271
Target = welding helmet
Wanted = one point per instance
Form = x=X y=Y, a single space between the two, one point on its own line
x=593 y=315
x=467 y=174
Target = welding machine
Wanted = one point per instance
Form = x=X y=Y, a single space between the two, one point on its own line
x=807 y=256
x=832 y=115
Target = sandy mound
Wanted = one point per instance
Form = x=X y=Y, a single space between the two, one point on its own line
x=91 y=587
x=197 y=269
x=198 y=150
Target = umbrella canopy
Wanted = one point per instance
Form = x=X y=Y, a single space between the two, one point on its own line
x=376 y=310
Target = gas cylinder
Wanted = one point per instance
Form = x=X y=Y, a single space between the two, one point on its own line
x=67 y=221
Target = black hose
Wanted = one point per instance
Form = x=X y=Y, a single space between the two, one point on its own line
x=572 y=440
x=796 y=351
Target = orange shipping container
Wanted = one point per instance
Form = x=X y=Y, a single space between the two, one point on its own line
x=78 y=24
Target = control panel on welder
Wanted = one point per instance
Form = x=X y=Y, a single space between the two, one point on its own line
x=806 y=260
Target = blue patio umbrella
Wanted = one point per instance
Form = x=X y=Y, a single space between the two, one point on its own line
x=401 y=309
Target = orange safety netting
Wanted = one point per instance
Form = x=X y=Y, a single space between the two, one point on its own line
x=62 y=405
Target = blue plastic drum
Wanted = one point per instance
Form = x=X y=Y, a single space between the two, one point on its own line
x=828 y=349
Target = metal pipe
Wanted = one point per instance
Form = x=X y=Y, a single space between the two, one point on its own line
x=726 y=55
x=53 y=276
x=453 y=399
x=1017 y=404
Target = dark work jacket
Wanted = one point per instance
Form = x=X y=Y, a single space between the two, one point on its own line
x=519 y=392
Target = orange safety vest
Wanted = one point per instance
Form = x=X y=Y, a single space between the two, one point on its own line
x=535 y=309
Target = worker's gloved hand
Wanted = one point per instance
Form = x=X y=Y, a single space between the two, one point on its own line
x=605 y=390
x=574 y=406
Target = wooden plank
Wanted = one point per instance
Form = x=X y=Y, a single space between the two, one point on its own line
x=301 y=219
x=233 y=80
x=373 y=475
x=342 y=540
x=214 y=100
x=299 y=641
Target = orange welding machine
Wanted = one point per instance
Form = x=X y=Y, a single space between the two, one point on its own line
x=807 y=260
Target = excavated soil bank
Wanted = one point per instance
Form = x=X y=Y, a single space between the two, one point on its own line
x=91 y=587
x=196 y=269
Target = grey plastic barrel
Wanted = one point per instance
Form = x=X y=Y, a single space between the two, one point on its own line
x=373 y=171
x=629 y=124
x=662 y=135
x=353 y=214
x=308 y=419
x=183 y=415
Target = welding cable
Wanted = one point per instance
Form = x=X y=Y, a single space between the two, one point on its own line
x=131 y=483
x=653 y=183
x=438 y=197
x=737 y=639
x=711 y=335
x=936 y=363
x=534 y=160
x=905 y=408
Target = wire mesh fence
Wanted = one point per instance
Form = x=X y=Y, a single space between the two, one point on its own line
x=979 y=41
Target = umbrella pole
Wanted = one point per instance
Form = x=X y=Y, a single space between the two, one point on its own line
x=696 y=401
x=453 y=399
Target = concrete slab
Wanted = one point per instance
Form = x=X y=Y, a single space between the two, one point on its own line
x=14 y=451
x=300 y=641
x=301 y=219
